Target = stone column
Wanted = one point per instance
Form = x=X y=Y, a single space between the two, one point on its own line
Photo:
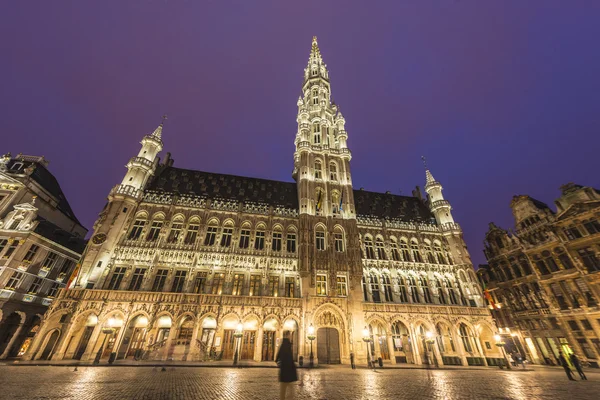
x=390 y=343
x=170 y=339
x=258 y=345
x=415 y=347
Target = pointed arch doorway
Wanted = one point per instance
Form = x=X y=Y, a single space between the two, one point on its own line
x=328 y=346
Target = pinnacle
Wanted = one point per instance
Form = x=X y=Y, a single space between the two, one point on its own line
x=158 y=131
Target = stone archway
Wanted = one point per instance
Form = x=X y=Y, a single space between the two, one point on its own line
x=52 y=338
x=329 y=340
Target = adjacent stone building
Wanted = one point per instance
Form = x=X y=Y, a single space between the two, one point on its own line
x=543 y=278
x=183 y=262
x=41 y=241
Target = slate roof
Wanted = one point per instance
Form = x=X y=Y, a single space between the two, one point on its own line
x=278 y=193
x=387 y=205
x=231 y=187
x=52 y=232
x=45 y=179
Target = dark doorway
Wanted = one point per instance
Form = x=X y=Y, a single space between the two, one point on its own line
x=48 y=350
x=328 y=346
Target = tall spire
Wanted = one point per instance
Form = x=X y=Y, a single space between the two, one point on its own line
x=315 y=53
x=429 y=179
x=316 y=68
x=158 y=131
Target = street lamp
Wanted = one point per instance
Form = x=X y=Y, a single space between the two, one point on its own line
x=107 y=330
x=430 y=341
x=238 y=335
x=367 y=339
x=311 y=337
x=501 y=344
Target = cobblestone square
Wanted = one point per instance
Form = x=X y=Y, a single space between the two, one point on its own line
x=53 y=382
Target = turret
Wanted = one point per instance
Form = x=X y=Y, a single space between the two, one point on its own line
x=141 y=167
x=440 y=208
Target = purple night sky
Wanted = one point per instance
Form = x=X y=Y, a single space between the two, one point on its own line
x=502 y=97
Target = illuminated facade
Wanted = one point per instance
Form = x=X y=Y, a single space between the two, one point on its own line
x=544 y=278
x=183 y=261
x=40 y=242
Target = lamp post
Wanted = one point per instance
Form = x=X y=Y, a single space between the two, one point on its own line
x=107 y=330
x=311 y=337
x=238 y=335
x=501 y=344
x=430 y=341
x=367 y=339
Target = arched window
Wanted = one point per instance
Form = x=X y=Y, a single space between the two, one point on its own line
x=425 y=286
x=291 y=240
x=404 y=249
x=369 y=251
x=414 y=246
x=332 y=171
x=259 y=238
x=387 y=288
x=318 y=170
x=465 y=337
x=136 y=230
x=338 y=236
x=245 y=236
x=316 y=133
x=438 y=252
x=402 y=292
x=320 y=238
x=155 y=228
x=315 y=93
x=277 y=239
x=192 y=231
x=176 y=229
x=227 y=234
x=541 y=265
x=374 y=281
x=395 y=251
x=380 y=249
x=451 y=292
x=414 y=290
x=211 y=233
x=428 y=252
x=441 y=294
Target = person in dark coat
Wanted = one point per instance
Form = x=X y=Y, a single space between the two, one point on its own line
x=577 y=364
x=287 y=369
x=565 y=365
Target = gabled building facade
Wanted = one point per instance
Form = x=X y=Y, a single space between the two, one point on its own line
x=41 y=241
x=543 y=278
x=183 y=262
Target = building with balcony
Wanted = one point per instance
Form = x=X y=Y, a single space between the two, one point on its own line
x=191 y=265
x=41 y=241
x=543 y=278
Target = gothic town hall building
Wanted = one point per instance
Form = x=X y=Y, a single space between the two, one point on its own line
x=191 y=265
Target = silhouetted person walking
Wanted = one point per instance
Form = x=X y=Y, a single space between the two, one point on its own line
x=287 y=370
x=565 y=365
x=578 y=367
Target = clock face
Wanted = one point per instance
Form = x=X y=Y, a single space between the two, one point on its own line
x=99 y=238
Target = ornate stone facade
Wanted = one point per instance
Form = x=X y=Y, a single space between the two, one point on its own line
x=544 y=278
x=182 y=262
x=41 y=241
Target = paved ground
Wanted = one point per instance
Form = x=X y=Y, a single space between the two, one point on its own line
x=47 y=382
